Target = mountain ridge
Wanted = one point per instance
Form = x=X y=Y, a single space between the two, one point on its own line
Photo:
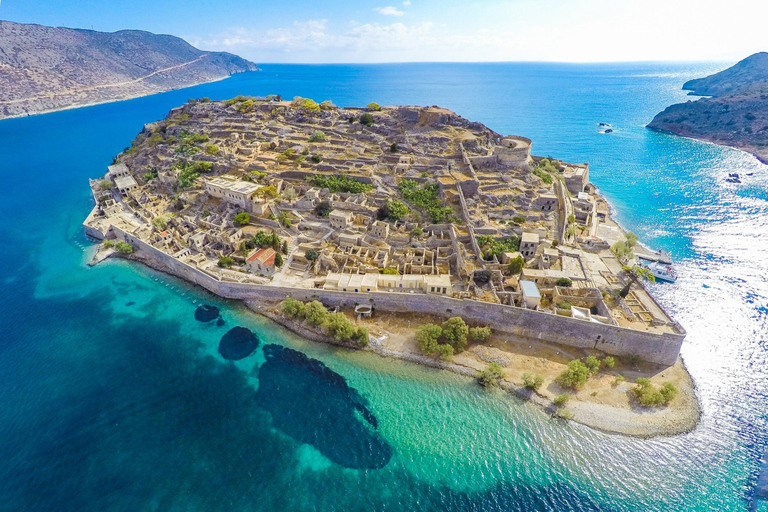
x=43 y=68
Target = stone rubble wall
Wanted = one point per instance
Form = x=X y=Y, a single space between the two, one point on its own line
x=656 y=348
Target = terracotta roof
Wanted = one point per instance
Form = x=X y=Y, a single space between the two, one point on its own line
x=265 y=256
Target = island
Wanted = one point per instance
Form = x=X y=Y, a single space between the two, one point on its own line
x=43 y=69
x=411 y=232
x=733 y=113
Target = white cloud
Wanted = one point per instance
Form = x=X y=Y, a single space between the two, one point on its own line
x=407 y=3
x=389 y=11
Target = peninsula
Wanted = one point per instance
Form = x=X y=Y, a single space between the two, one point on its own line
x=735 y=113
x=412 y=232
x=43 y=69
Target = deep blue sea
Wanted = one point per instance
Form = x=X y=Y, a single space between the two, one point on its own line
x=114 y=398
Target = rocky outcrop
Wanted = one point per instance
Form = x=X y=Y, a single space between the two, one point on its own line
x=735 y=115
x=50 y=68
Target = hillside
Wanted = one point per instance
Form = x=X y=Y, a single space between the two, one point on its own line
x=49 y=68
x=735 y=115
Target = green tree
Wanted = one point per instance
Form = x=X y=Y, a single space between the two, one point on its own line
x=211 y=149
x=416 y=233
x=225 y=262
x=374 y=106
x=516 y=265
x=561 y=400
x=311 y=254
x=362 y=337
x=323 y=208
x=293 y=308
x=564 y=282
x=608 y=362
x=648 y=396
x=532 y=382
x=427 y=337
x=574 y=376
x=519 y=219
x=160 y=223
x=479 y=334
x=338 y=327
x=634 y=274
x=315 y=313
x=393 y=211
x=455 y=332
x=284 y=247
x=106 y=184
x=242 y=218
x=491 y=376
x=278 y=260
x=394 y=148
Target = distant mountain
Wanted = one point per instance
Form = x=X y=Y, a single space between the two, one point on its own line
x=49 y=68
x=736 y=114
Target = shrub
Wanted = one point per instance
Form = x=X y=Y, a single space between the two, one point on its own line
x=366 y=119
x=225 y=262
x=242 y=218
x=564 y=414
x=416 y=233
x=632 y=359
x=574 y=376
x=160 y=223
x=311 y=254
x=338 y=326
x=285 y=220
x=564 y=282
x=279 y=260
x=608 y=362
x=123 y=247
x=519 y=219
x=362 y=337
x=317 y=136
x=455 y=332
x=565 y=305
x=106 y=184
x=561 y=400
x=425 y=197
x=517 y=265
x=323 y=208
x=293 y=308
x=108 y=244
x=648 y=396
x=211 y=149
x=481 y=276
x=491 y=376
x=315 y=313
x=392 y=211
x=444 y=351
x=394 y=148
x=618 y=380
x=494 y=247
x=374 y=106
x=390 y=271
x=479 y=334
x=532 y=382
x=268 y=192
x=316 y=158
x=593 y=364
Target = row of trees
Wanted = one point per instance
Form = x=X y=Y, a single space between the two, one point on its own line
x=336 y=325
x=449 y=338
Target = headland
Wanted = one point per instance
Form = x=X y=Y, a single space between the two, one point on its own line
x=384 y=220
x=734 y=111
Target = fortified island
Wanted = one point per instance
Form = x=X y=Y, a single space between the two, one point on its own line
x=394 y=217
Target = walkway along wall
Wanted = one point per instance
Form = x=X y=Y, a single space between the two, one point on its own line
x=656 y=348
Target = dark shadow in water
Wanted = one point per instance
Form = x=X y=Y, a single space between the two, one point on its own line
x=206 y=313
x=314 y=405
x=220 y=322
x=238 y=343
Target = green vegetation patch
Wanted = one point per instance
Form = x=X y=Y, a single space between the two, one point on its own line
x=340 y=184
x=494 y=247
x=335 y=325
x=425 y=198
x=649 y=396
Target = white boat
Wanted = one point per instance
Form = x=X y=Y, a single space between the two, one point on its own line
x=661 y=270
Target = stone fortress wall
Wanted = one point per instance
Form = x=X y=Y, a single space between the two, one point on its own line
x=656 y=348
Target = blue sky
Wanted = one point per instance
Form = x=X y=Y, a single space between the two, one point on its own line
x=430 y=30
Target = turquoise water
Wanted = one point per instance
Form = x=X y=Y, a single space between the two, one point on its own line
x=113 y=397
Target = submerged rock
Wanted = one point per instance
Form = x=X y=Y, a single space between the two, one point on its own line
x=206 y=313
x=219 y=322
x=238 y=343
x=313 y=404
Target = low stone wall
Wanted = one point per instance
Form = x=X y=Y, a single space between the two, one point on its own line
x=656 y=348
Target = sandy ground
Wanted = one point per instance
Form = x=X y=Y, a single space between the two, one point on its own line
x=601 y=404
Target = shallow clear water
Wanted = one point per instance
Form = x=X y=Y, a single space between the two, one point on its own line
x=113 y=397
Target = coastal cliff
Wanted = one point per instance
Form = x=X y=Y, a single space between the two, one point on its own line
x=735 y=113
x=43 y=69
